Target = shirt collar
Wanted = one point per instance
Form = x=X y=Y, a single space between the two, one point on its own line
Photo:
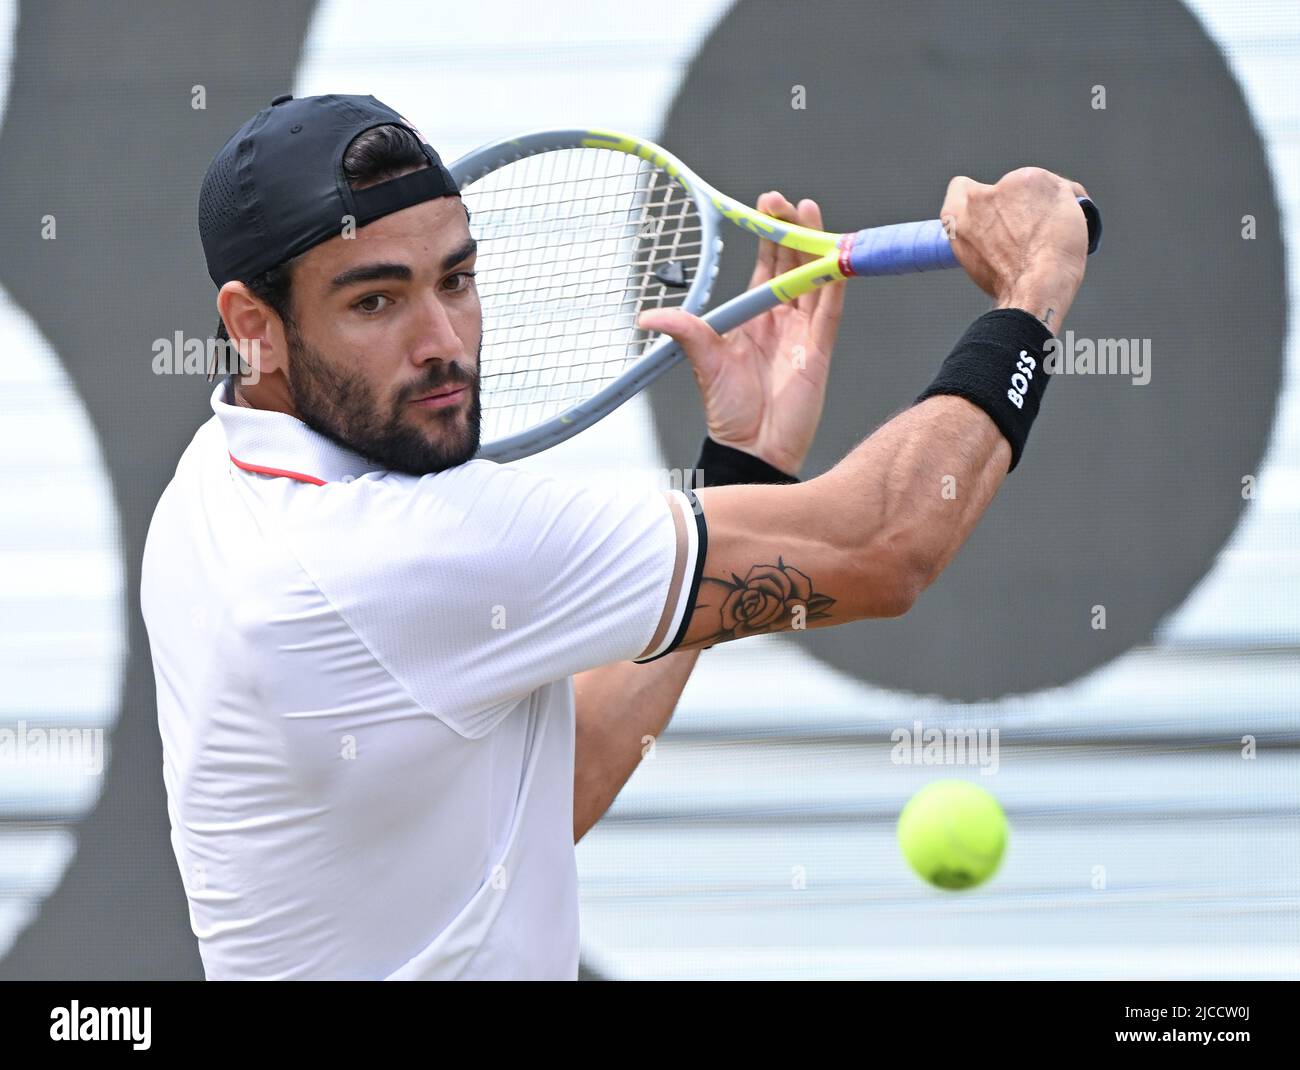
x=277 y=444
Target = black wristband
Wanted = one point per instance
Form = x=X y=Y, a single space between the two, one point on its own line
x=723 y=466
x=998 y=365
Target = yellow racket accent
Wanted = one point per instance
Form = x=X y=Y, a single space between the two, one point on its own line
x=794 y=283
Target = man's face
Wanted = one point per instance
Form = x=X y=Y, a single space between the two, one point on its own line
x=384 y=350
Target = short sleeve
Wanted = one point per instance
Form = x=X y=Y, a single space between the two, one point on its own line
x=475 y=586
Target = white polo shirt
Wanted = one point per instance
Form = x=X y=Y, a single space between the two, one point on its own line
x=365 y=700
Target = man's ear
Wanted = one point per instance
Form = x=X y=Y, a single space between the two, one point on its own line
x=254 y=329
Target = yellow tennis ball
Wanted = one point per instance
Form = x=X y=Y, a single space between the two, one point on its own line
x=953 y=833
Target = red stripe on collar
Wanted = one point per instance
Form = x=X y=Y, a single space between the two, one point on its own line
x=262 y=470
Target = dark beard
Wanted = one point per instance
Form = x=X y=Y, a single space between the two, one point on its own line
x=340 y=405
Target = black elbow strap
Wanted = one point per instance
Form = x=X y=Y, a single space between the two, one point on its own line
x=723 y=466
x=999 y=365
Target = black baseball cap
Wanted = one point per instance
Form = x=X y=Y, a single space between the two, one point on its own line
x=277 y=187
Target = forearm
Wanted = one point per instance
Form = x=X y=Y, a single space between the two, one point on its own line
x=621 y=710
x=911 y=494
x=864 y=539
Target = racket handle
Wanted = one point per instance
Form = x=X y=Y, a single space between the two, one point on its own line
x=901 y=249
x=905 y=248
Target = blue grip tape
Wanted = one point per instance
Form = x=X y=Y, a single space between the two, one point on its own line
x=905 y=248
x=901 y=249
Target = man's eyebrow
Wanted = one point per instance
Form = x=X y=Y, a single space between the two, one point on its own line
x=381 y=270
x=370 y=273
x=462 y=252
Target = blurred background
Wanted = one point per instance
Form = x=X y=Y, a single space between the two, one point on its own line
x=1127 y=618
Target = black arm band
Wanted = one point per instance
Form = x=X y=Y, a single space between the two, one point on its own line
x=998 y=365
x=723 y=466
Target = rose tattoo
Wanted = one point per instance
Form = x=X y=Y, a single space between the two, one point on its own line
x=764 y=601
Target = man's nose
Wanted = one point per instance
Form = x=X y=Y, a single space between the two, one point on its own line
x=437 y=338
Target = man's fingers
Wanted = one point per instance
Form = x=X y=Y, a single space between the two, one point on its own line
x=786 y=258
x=774 y=259
x=765 y=263
x=808 y=213
x=959 y=186
x=826 y=316
x=698 y=340
x=825 y=305
x=954 y=202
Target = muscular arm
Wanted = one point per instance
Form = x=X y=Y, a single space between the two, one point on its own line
x=861 y=541
x=621 y=710
x=865 y=539
x=869 y=535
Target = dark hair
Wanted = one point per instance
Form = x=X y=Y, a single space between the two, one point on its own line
x=378 y=154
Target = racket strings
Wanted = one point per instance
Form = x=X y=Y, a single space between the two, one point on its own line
x=573 y=245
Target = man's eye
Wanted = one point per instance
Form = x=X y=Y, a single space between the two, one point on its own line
x=370 y=304
x=460 y=280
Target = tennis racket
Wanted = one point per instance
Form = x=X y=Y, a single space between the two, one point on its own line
x=580 y=231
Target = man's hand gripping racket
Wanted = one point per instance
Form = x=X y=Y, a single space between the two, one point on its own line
x=580 y=231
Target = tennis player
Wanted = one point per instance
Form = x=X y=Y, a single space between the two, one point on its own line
x=395 y=683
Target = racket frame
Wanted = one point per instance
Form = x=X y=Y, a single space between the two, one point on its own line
x=886 y=250
x=713 y=207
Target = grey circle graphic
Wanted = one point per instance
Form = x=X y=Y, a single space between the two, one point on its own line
x=1126 y=492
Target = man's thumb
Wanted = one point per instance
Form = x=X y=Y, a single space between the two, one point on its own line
x=697 y=339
